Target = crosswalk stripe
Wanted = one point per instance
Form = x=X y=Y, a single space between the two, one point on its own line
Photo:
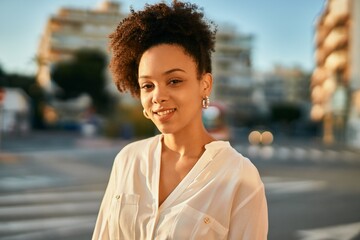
x=64 y=232
x=47 y=209
x=49 y=197
x=64 y=211
x=315 y=154
x=276 y=185
x=22 y=226
x=340 y=232
x=294 y=186
x=298 y=154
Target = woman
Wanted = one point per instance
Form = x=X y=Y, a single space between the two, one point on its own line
x=181 y=184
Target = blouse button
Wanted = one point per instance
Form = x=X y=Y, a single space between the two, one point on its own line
x=206 y=220
x=117 y=196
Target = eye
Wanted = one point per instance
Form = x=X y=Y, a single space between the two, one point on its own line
x=174 y=81
x=147 y=86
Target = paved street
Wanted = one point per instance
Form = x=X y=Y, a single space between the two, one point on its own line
x=311 y=201
x=313 y=191
x=51 y=189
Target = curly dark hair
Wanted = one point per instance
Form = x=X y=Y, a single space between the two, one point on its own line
x=180 y=23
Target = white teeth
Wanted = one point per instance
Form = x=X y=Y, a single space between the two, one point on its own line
x=162 y=113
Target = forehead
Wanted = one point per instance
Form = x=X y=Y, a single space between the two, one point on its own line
x=164 y=57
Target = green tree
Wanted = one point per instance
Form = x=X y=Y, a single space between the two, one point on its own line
x=2 y=73
x=85 y=73
x=285 y=112
x=29 y=85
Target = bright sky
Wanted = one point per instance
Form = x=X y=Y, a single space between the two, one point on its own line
x=283 y=29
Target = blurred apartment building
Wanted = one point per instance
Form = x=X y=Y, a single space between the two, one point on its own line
x=247 y=94
x=286 y=84
x=336 y=79
x=282 y=98
x=232 y=65
x=71 y=29
x=232 y=71
x=66 y=32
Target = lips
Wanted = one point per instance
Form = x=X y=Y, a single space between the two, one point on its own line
x=164 y=114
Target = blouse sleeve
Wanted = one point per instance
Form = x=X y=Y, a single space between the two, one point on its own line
x=249 y=217
x=101 y=227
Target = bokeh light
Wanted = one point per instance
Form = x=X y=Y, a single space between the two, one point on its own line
x=255 y=137
x=267 y=138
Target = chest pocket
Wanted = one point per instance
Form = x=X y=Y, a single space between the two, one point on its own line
x=193 y=224
x=123 y=214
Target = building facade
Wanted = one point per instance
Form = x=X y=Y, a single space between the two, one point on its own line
x=286 y=84
x=353 y=129
x=233 y=73
x=71 y=29
x=232 y=65
x=335 y=82
x=65 y=33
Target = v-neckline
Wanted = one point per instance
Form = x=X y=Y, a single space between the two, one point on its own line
x=202 y=162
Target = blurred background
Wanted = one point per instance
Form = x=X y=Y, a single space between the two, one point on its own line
x=286 y=95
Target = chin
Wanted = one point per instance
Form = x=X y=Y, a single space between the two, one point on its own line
x=167 y=130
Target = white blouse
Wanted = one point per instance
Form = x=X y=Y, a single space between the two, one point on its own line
x=222 y=197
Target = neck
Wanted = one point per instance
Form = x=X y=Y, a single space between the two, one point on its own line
x=188 y=143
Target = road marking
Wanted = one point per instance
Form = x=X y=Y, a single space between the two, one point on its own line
x=300 y=154
x=283 y=153
x=26 y=182
x=275 y=185
x=315 y=154
x=253 y=150
x=22 y=226
x=65 y=232
x=267 y=152
x=48 y=209
x=50 y=197
x=65 y=153
x=339 y=232
x=69 y=212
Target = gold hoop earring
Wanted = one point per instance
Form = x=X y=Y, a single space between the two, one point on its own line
x=205 y=102
x=145 y=114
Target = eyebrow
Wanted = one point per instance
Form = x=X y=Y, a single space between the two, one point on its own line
x=166 y=72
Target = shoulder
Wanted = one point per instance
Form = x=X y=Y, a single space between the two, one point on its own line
x=230 y=155
x=138 y=148
x=245 y=174
x=239 y=165
x=237 y=173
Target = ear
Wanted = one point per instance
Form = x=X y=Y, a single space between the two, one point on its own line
x=206 y=84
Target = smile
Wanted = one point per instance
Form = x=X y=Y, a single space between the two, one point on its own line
x=165 y=112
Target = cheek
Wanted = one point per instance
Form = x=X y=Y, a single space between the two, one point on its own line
x=192 y=99
x=194 y=93
x=143 y=100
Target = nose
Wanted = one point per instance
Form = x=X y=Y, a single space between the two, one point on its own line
x=160 y=95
